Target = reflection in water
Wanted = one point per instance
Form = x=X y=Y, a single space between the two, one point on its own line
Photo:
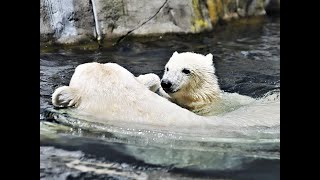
x=247 y=61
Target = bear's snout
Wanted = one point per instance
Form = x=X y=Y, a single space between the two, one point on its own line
x=166 y=85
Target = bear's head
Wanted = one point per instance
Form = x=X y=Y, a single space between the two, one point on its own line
x=187 y=70
x=190 y=78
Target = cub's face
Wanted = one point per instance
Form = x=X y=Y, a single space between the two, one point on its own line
x=184 y=70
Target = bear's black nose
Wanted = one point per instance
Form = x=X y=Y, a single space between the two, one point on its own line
x=166 y=84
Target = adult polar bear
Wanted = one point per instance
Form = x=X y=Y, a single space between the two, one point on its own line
x=109 y=91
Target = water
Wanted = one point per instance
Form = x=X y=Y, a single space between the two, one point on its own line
x=247 y=61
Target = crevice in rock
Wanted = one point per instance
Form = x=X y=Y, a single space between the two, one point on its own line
x=129 y=32
x=249 y=3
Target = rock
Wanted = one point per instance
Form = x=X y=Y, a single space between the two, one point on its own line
x=230 y=10
x=251 y=8
x=71 y=21
x=65 y=21
x=272 y=7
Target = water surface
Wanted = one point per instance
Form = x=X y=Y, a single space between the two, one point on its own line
x=247 y=61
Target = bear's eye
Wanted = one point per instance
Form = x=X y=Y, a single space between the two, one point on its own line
x=167 y=69
x=186 y=71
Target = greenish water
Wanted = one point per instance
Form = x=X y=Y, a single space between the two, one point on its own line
x=247 y=61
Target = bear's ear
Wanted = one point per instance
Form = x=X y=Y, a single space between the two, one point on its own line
x=175 y=53
x=209 y=57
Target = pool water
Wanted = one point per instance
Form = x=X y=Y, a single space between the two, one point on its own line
x=247 y=60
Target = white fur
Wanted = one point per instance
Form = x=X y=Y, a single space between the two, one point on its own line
x=110 y=93
x=198 y=91
x=65 y=97
x=151 y=81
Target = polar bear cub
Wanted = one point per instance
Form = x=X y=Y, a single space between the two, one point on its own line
x=189 y=80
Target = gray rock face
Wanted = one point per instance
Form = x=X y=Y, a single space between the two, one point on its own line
x=160 y=18
x=272 y=7
x=70 y=21
x=66 y=21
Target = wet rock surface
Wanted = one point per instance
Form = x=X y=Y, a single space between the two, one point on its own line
x=66 y=21
x=71 y=21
